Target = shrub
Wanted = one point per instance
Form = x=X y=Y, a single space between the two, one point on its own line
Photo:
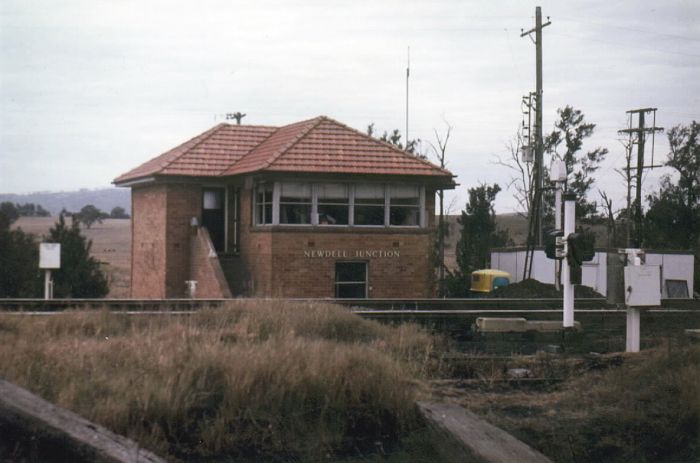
x=80 y=274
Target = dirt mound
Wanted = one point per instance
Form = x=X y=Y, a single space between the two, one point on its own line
x=534 y=289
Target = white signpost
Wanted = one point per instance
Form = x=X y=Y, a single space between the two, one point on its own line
x=49 y=258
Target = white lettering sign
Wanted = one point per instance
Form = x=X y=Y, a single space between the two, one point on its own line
x=351 y=253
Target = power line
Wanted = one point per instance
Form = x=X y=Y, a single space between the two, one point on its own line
x=644 y=31
x=622 y=45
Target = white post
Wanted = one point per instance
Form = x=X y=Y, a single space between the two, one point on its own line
x=47 y=284
x=632 y=340
x=558 y=187
x=569 y=228
x=633 y=314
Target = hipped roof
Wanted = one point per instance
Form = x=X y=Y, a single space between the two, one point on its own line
x=319 y=145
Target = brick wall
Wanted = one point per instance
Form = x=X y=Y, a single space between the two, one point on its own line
x=398 y=264
x=184 y=201
x=270 y=262
x=255 y=258
x=148 y=205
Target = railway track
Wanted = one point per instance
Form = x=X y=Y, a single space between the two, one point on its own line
x=437 y=307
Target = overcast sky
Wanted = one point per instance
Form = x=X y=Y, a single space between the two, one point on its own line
x=90 y=89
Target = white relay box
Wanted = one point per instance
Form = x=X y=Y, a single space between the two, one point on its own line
x=642 y=285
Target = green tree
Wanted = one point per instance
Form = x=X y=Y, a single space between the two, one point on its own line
x=19 y=262
x=394 y=138
x=31 y=210
x=566 y=142
x=673 y=217
x=9 y=213
x=477 y=237
x=118 y=213
x=80 y=274
x=88 y=215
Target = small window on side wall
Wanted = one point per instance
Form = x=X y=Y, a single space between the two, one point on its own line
x=677 y=289
x=263 y=204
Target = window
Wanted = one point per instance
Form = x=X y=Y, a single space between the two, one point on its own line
x=404 y=205
x=369 y=205
x=338 y=204
x=677 y=289
x=295 y=203
x=333 y=204
x=351 y=279
x=263 y=204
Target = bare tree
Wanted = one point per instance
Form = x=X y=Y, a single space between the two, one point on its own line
x=615 y=216
x=611 y=223
x=440 y=153
x=630 y=182
x=522 y=175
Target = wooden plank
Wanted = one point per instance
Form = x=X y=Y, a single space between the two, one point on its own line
x=464 y=437
x=64 y=435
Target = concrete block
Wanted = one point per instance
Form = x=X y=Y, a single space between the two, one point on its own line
x=520 y=325
x=501 y=325
x=463 y=437
x=548 y=326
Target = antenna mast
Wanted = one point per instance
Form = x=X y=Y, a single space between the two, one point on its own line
x=408 y=73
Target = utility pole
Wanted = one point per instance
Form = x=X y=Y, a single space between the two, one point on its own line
x=527 y=157
x=539 y=145
x=641 y=132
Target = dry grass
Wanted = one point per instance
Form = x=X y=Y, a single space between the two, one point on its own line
x=111 y=245
x=264 y=380
x=640 y=408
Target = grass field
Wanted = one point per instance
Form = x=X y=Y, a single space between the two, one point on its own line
x=283 y=381
x=266 y=380
x=111 y=245
x=616 y=408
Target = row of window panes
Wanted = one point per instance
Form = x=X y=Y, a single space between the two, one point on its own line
x=333 y=204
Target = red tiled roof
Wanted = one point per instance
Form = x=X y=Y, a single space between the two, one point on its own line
x=319 y=145
x=207 y=154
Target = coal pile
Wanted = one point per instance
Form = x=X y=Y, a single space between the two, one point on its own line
x=534 y=289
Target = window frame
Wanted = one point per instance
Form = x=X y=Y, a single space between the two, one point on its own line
x=352 y=205
x=256 y=205
x=385 y=206
x=280 y=203
x=420 y=205
x=317 y=202
x=337 y=284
